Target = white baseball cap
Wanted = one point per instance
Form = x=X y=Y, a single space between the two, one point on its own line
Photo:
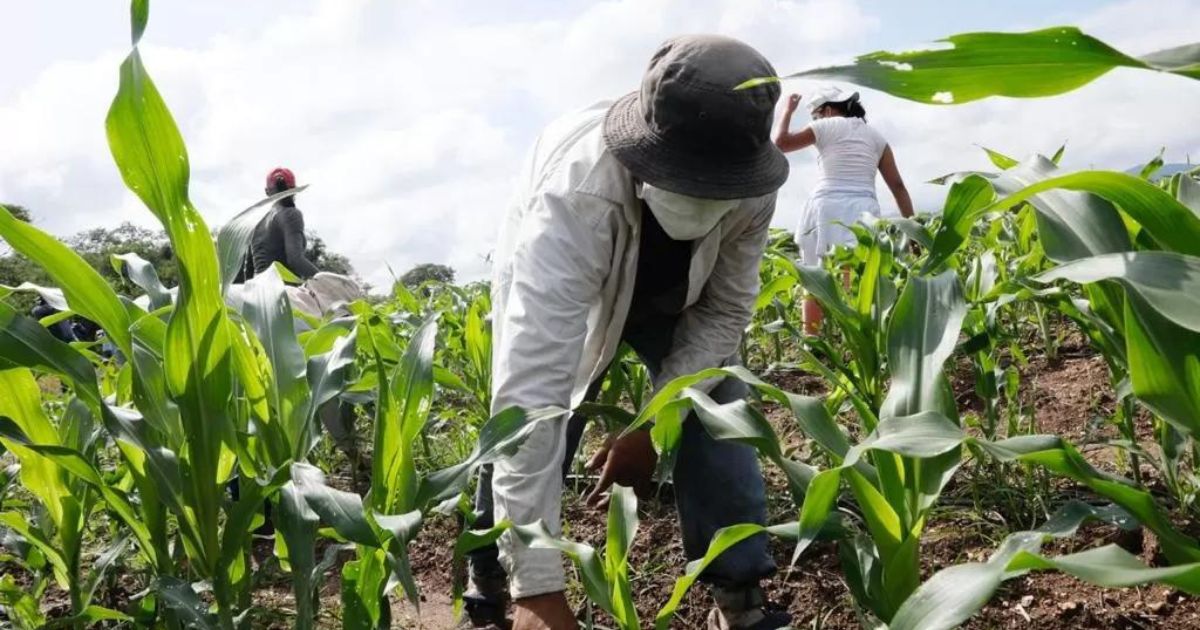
x=829 y=94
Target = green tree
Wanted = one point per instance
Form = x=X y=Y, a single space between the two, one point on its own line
x=98 y=245
x=15 y=268
x=325 y=260
x=427 y=272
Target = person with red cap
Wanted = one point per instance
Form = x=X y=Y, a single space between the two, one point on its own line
x=279 y=236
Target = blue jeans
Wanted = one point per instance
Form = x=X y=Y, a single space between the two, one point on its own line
x=717 y=484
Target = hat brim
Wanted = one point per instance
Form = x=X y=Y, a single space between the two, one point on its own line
x=661 y=164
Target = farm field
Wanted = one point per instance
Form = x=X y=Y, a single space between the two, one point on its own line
x=995 y=426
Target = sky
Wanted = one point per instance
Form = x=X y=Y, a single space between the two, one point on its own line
x=409 y=119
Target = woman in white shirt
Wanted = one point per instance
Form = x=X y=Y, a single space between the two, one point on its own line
x=849 y=153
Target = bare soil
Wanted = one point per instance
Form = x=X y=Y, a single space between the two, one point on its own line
x=1069 y=396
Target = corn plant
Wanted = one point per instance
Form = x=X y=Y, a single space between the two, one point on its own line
x=605 y=573
x=66 y=504
x=212 y=398
x=776 y=307
x=383 y=522
x=913 y=452
x=1082 y=223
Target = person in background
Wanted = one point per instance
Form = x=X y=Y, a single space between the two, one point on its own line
x=279 y=236
x=62 y=329
x=849 y=153
x=640 y=221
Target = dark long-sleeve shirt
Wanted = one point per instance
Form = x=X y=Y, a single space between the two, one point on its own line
x=279 y=237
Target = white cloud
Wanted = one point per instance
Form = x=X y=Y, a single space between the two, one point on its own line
x=409 y=119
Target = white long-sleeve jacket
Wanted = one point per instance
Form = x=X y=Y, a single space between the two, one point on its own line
x=562 y=284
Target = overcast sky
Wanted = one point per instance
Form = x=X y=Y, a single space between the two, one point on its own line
x=408 y=119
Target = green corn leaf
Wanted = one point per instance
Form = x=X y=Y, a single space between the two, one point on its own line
x=736 y=421
x=266 y=307
x=915 y=230
x=1164 y=365
x=20 y=401
x=501 y=435
x=1002 y=162
x=99 y=569
x=90 y=615
x=1187 y=191
x=183 y=601
x=1184 y=60
x=1112 y=567
x=964 y=202
x=468 y=541
x=321 y=340
x=921 y=336
x=1152 y=166
x=721 y=541
x=42 y=541
x=814 y=419
x=139 y=14
x=405 y=398
x=777 y=285
x=297 y=527
x=622 y=529
x=1073 y=225
x=364 y=584
x=341 y=510
x=1057 y=157
x=22 y=608
x=151 y=157
x=75 y=463
x=329 y=374
x=971 y=66
x=1168 y=221
x=1168 y=282
x=86 y=291
x=403 y=529
x=596 y=583
x=54 y=297
x=1060 y=458
x=234 y=237
x=142 y=273
x=666 y=434
x=953 y=595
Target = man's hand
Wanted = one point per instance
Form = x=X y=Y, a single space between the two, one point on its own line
x=543 y=612
x=629 y=461
x=793 y=102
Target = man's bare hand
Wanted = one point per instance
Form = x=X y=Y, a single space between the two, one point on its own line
x=544 y=612
x=628 y=461
x=793 y=102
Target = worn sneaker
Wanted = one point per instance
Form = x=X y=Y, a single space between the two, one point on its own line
x=768 y=620
x=486 y=599
x=744 y=609
x=480 y=612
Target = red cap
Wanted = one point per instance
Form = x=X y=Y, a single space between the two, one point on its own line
x=286 y=174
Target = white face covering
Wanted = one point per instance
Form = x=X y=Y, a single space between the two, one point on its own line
x=685 y=218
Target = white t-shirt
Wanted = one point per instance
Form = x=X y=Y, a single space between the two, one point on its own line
x=848 y=153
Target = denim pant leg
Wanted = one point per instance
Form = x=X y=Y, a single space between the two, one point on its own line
x=718 y=484
x=484 y=563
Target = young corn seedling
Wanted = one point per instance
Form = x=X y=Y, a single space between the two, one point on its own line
x=388 y=518
x=604 y=573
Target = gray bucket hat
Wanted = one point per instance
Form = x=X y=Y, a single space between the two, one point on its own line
x=688 y=131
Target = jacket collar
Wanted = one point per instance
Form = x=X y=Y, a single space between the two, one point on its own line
x=608 y=179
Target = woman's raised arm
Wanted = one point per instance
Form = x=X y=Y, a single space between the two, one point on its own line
x=787 y=141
